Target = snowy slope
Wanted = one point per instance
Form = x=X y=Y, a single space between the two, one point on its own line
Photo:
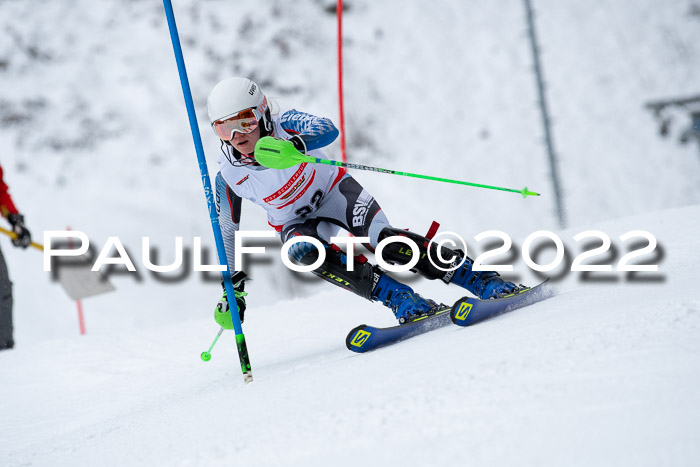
x=601 y=374
x=94 y=136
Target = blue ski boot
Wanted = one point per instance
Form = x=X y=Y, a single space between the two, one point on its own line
x=483 y=284
x=403 y=301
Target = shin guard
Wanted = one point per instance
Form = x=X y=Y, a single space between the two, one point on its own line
x=361 y=281
x=400 y=253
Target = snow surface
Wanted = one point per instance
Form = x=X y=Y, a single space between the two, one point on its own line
x=95 y=137
x=601 y=374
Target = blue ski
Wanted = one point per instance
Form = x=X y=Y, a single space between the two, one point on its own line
x=467 y=311
x=364 y=338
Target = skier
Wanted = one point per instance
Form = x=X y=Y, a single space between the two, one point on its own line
x=22 y=239
x=318 y=200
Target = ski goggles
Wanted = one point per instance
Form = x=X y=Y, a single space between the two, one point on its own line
x=244 y=122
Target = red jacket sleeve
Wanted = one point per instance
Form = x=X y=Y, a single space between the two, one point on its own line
x=7 y=207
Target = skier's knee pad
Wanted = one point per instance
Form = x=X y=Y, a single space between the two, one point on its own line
x=334 y=268
x=400 y=253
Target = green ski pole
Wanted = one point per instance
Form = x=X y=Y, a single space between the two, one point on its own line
x=206 y=355
x=279 y=154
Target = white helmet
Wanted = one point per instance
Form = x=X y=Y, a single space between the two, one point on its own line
x=233 y=95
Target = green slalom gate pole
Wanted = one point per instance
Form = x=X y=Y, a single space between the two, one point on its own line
x=279 y=154
x=197 y=138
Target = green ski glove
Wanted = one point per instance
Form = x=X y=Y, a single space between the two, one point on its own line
x=221 y=312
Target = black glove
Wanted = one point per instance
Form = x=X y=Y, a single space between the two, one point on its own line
x=298 y=143
x=24 y=237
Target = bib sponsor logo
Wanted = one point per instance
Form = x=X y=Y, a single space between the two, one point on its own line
x=291 y=192
x=290 y=183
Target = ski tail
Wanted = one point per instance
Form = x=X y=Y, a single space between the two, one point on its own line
x=357 y=338
x=467 y=311
x=364 y=338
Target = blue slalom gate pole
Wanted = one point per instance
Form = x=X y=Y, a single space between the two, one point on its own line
x=208 y=192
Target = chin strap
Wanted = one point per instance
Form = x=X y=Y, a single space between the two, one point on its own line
x=235 y=158
x=266 y=128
